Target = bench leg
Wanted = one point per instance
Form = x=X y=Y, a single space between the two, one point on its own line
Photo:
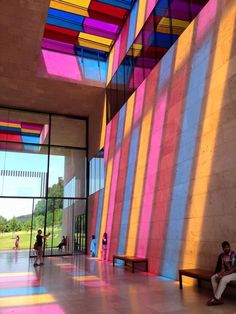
x=133 y=267
x=199 y=284
x=113 y=262
x=180 y=281
x=146 y=266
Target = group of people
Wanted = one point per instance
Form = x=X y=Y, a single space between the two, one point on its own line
x=225 y=270
x=93 y=247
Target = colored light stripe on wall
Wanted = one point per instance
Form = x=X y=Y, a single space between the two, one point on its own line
x=209 y=132
x=115 y=173
x=131 y=171
x=122 y=176
x=185 y=158
x=152 y=168
x=108 y=180
x=140 y=16
x=99 y=218
x=141 y=164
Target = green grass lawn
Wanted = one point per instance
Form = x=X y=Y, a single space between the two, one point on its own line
x=7 y=239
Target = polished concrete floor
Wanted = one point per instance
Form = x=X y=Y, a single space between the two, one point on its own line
x=70 y=285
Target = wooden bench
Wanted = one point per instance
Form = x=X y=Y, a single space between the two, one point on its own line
x=199 y=274
x=132 y=259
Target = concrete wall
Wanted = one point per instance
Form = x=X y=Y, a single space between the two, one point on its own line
x=170 y=153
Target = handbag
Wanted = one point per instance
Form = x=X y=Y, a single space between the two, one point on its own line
x=35 y=246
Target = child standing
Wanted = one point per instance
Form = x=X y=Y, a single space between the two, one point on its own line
x=104 y=246
x=93 y=247
x=17 y=242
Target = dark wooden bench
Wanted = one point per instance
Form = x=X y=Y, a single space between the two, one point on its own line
x=199 y=274
x=131 y=259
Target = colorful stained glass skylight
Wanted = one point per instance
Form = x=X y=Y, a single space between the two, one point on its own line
x=85 y=27
x=21 y=133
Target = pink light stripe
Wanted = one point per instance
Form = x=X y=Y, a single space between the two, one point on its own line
x=153 y=161
x=14 y=284
x=68 y=267
x=94 y=284
x=205 y=19
x=36 y=309
x=116 y=55
x=107 y=142
x=61 y=65
x=111 y=205
x=150 y=6
x=18 y=278
x=139 y=104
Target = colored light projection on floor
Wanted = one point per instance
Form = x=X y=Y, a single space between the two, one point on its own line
x=22 y=132
x=162 y=165
x=27 y=298
x=87 y=28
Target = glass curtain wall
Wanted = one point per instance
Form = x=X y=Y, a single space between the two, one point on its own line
x=43 y=176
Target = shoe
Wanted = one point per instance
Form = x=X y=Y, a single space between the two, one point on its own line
x=214 y=301
x=41 y=264
x=35 y=264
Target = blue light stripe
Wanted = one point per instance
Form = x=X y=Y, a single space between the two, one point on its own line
x=125 y=4
x=99 y=216
x=21 y=291
x=187 y=148
x=132 y=25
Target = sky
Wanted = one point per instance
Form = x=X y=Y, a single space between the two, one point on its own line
x=25 y=186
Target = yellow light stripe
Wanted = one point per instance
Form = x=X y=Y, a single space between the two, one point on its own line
x=139 y=182
x=65 y=264
x=86 y=278
x=92 y=45
x=95 y=39
x=71 y=6
x=178 y=26
x=27 y=300
x=208 y=137
x=10 y=124
x=110 y=65
x=31 y=131
x=129 y=116
x=183 y=47
x=135 y=50
x=3 y=275
x=141 y=16
x=103 y=128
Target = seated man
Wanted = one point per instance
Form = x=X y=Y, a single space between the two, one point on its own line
x=224 y=273
x=63 y=243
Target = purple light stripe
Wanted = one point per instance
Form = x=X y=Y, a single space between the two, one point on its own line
x=57 y=45
x=95 y=24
